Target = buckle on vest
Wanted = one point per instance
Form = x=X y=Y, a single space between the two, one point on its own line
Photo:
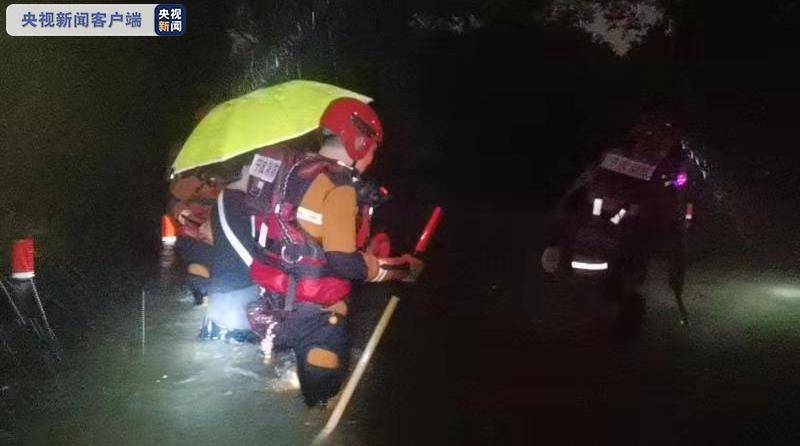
x=287 y=259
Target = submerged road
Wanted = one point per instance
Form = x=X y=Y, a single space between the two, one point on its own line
x=538 y=365
x=485 y=350
x=181 y=391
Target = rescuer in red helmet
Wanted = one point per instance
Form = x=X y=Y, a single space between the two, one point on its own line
x=306 y=255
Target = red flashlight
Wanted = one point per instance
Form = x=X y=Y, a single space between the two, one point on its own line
x=430 y=228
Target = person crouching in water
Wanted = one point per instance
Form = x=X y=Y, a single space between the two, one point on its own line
x=310 y=255
x=191 y=199
x=230 y=290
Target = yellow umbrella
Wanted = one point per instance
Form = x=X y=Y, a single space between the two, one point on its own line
x=258 y=119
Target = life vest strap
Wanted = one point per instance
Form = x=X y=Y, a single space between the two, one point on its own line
x=232 y=239
x=291 y=293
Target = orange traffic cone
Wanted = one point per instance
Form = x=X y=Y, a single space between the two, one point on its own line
x=168 y=232
x=23 y=286
x=22 y=259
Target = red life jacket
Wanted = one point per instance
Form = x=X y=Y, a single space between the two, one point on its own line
x=288 y=261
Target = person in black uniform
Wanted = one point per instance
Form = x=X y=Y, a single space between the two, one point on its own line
x=630 y=204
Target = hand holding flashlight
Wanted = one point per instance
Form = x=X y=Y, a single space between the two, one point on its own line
x=415 y=265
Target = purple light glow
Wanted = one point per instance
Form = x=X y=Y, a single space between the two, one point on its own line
x=681 y=180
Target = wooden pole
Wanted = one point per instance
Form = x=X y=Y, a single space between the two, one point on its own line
x=363 y=361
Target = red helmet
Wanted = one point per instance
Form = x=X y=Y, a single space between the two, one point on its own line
x=356 y=123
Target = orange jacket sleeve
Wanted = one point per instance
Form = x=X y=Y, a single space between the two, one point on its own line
x=339 y=226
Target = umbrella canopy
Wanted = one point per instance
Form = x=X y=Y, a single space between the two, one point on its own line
x=260 y=118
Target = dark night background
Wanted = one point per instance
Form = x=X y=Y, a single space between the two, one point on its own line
x=493 y=123
x=86 y=119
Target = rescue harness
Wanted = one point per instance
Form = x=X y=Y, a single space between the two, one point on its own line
x=288 y=261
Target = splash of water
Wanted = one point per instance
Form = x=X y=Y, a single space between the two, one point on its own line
x=286 y=378
x=284 y=365
x=268 y=343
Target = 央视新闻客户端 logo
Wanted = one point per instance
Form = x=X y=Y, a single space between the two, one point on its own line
x=170 y=20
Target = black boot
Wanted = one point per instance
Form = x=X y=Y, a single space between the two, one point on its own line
x=199 y=297
x=318 y=384
x=242 y=337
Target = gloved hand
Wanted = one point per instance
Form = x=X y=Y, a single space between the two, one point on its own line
x=415 y=267
x=391 y=269
x=406 y=268
x=191 y=217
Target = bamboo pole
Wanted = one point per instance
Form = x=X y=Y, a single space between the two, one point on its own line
x=363 y=361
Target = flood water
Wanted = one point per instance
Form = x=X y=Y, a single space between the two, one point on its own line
x=492 y=122
x=113 y=388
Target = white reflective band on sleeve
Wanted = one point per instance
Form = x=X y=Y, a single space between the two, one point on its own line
x=253 y=226
x=598 y=206
x=232 y=239
x=590 y=266
x=169 y=240
x=381 y=275
x=620 y=215
x=308 y=215
x=262 y=235
x=24 y=275
x=347 y=166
